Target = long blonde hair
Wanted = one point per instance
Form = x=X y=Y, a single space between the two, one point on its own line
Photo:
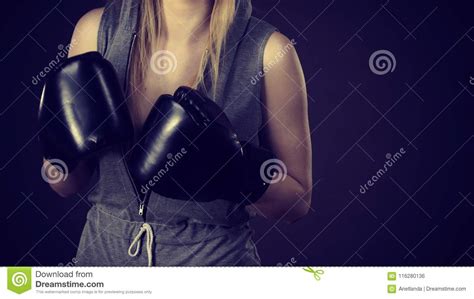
x=150 y=24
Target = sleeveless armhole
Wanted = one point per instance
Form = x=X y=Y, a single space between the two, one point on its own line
x=104 y=33
x=265 y=32
x=261 y=53
x=263 y=45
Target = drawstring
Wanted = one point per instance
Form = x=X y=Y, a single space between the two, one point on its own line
x=145 y=228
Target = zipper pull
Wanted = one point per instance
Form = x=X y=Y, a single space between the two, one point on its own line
x=141 y=208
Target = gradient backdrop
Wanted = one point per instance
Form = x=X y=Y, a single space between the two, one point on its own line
x=419 y=212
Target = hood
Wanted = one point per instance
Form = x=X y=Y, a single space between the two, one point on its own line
x=243 y=12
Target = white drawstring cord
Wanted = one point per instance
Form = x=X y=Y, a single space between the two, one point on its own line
x=145 y=228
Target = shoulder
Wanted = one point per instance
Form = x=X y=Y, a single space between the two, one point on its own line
x=89 y=23
x=92 y=17
x=279 y=48
x=84 y=38
x=284 y=77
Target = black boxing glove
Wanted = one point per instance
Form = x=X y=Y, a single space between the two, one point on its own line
x=189 y=149
x=82 y=110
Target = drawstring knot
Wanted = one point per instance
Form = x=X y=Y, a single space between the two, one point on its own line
x=148 y=231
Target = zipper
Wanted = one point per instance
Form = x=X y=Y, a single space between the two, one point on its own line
x=141 y=202
x=129 y=58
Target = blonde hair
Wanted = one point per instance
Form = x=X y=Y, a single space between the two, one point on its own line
x=150 y=24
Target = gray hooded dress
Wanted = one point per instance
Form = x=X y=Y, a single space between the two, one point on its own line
x=174 y=232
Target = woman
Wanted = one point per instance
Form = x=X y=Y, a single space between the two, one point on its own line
x=218 y=48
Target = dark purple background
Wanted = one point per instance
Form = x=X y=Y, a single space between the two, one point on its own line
x=419 y=213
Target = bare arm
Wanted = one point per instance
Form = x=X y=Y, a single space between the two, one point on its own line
x=84 y=39
x=286 y=111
